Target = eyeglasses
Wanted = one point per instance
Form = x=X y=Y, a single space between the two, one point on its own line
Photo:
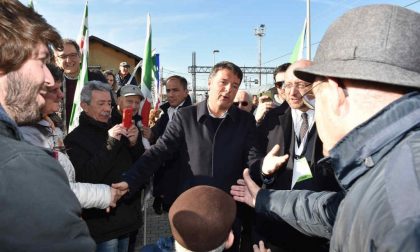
x=309 y=96
x=279 y=84
x=243 y=103
x=71 y=56
x=299 y=85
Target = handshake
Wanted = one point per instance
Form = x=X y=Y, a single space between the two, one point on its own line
x=117 y=191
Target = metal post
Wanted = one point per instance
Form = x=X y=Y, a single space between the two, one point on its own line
x=214 y=56
x=144 y=217
x=308 y=27
x=194 y=80
x=260 y=32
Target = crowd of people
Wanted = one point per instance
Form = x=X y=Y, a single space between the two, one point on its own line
x=328 y=163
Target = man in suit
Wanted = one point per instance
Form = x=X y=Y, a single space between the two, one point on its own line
x=295 y=132
x=164 y=184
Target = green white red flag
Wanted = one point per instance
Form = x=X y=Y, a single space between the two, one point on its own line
x=298 y=49
x=31 y=4
x=83 y=32
x=147 y=75
x=83 y=40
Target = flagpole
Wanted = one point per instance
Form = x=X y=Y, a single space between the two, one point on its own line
x=308 y=31
x=135 y=70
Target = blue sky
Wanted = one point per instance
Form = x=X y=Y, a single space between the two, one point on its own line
x=180 y=27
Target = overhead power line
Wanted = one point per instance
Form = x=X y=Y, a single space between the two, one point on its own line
x=412 y=3
x=290 y=53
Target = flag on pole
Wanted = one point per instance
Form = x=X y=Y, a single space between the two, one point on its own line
x=83 y=32
x=298 y=49
x=83 y=40
x=31 y=4
x=147 y=75
x=156 y=67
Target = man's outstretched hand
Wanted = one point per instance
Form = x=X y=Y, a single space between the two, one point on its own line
x=272 y=161
x=122 y=186
x=246 y=190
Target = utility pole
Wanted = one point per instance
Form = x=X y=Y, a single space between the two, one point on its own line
x=308 y=29
x=194 y=79
x=214 y=56
x=260 y=32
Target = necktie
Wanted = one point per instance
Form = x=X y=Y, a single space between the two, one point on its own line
x=303 y=127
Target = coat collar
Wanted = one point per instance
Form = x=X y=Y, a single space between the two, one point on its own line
x=362 y=148
x=187 y=102
x=203 y=112
x=86 y=120
x=9 y=127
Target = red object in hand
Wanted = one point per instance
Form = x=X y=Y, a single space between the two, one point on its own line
x=127 y=117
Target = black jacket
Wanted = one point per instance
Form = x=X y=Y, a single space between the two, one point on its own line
x=207 y=155
x=277 y=128
x=39 y=211
x=164 y=182
x=160 y=125
x=124 y=81
x=98 y=158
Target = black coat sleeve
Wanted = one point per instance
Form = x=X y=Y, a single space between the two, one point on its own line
x=91 y=166
x=153 y=158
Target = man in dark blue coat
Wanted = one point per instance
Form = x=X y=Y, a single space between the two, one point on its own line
x=213 y=139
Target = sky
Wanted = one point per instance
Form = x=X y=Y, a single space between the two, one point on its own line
x=180 y=27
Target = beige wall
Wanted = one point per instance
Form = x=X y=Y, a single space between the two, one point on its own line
x=109 y=59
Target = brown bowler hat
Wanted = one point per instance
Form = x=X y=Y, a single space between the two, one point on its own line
x=202 y=217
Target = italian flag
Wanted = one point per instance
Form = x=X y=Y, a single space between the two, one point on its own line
x=298 y=49
x=31 y=4
x=147 y=75
x=83 y=33
x=83 y=40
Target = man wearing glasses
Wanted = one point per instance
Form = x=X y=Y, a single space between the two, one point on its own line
x=69 y=60
x=366 y=76
x=243 y=100
x=266 y=103
x=294 y=131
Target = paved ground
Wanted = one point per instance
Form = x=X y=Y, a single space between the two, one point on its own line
x=156 y=226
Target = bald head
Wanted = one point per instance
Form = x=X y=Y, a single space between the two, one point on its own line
x=243 y=100
x=295 y=87
x=297 y=64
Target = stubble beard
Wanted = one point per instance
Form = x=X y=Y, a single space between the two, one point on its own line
x=21 y=99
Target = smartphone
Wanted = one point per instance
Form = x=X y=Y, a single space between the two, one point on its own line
x=127 y=117
x=269 y=94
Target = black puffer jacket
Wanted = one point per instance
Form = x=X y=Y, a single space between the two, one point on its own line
x=98 y=158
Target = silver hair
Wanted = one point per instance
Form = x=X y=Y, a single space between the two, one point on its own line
x=86 y=94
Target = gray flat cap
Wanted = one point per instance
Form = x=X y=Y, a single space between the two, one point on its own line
x=379 y=43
